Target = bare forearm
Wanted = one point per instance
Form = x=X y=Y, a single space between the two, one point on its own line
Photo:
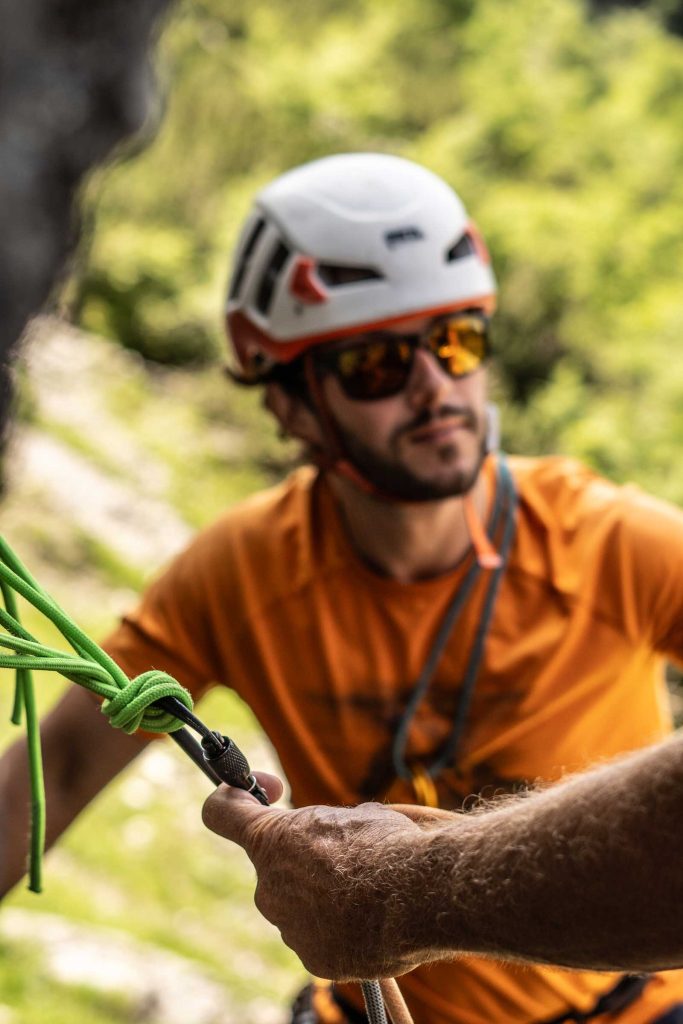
x=584 y=874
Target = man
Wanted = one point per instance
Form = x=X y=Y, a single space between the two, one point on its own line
x=416 y=620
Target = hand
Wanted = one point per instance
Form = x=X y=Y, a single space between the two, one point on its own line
x=346 y=887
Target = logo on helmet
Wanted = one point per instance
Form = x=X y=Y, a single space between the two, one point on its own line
x=400 y=235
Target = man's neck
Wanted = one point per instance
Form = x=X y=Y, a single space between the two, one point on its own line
x=407 y=541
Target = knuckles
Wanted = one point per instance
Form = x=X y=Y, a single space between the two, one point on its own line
x=315 y=882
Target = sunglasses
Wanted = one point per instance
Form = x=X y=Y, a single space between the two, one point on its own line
x=379 y=366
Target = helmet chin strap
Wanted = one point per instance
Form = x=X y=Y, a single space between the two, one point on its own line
x=336 y=460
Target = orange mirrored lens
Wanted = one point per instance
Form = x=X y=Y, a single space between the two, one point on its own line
x=460 y=344
x=380 y=366
x=376 y=369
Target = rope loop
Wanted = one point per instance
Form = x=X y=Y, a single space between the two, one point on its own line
x=126 y=703
x=130 y=708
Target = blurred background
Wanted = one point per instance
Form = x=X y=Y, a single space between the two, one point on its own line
x=562 y=128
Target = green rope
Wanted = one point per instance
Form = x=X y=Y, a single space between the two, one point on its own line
x=127 y=703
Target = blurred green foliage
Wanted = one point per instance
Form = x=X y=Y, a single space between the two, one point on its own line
x=27 y=991
x=562 y=130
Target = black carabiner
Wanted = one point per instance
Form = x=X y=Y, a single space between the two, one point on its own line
x=218 y=757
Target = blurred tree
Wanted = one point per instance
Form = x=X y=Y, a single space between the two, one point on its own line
x=669 y=11
x=560 y=128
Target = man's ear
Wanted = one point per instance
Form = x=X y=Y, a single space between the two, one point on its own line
x=295 y=417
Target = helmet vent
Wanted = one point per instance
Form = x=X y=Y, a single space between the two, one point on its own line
x=264 y=296
x=241 y=268
x=337 y=276
x=463 y=247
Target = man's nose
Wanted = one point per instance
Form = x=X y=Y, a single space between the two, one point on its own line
x=428 y=384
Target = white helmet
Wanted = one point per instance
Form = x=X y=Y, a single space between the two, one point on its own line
x=348 y=244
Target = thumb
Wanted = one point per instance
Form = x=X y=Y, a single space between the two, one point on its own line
x=234 y=814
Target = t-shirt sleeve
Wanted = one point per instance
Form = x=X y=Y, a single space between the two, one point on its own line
x=649 y=550
x=170 y=629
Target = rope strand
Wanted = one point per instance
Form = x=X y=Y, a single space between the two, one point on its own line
x=127 y=703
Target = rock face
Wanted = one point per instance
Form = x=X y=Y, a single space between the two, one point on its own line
x=75 y=81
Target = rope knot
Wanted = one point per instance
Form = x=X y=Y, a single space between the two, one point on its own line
x=132 y=708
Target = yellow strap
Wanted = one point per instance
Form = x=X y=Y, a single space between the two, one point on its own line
x=424 y=787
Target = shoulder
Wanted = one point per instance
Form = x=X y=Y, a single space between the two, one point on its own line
x=258 y=539
x=270 y=512
x=562 y=493
x=572 y=519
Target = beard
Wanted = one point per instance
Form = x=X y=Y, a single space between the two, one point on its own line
x=399 y=483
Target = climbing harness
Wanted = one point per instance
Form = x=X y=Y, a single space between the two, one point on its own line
x=153 y=701
x=420 y=775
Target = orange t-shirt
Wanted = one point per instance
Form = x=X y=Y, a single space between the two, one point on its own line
x=273 y=601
